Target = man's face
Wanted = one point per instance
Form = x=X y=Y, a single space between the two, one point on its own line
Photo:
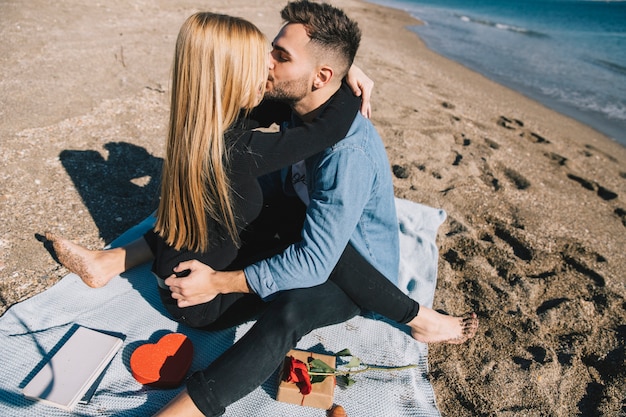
x=292 y=68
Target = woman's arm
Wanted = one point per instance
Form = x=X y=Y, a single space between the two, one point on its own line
x=267 y=152
x=362 y=86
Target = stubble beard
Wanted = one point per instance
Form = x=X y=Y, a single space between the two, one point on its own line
x=289 y=92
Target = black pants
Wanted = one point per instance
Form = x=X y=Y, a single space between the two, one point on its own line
x=353 y=285
x=254 y=357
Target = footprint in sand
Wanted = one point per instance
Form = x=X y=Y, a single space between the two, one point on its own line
x=447 y=105
x=535 y=138
x=602 y=192
x=510 y=124
x=515 y=124
x=401 y=171
x=550 y=304
x=578 y=266
x=462 y=140
x=487 y=176
x=590 y=150
x=621 y=213
x=538 y=353
x=561 y=160
x=492 y=144
x=454 y=259
x=520 y=249
x=456 y=227
x=521 y=183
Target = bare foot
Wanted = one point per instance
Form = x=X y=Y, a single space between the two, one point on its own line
x=336 y=411
x=430 y=326
x=89 y=265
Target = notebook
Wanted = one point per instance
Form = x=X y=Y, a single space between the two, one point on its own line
x=74 y=368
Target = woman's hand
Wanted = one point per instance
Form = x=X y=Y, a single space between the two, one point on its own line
x=362 y=86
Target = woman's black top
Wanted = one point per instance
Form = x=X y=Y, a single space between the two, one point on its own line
x=252 y=154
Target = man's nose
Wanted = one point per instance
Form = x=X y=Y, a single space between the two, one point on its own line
x=271 y=61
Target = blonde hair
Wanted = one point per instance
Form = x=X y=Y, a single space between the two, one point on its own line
x=220 y=68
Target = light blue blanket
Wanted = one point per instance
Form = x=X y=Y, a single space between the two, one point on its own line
x=130 y=305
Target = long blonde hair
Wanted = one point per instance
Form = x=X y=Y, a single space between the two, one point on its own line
x=220 y=68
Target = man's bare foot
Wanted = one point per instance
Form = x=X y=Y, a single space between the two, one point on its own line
x=89 y=265
x=430 y=326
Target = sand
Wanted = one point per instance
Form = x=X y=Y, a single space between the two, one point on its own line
x=535 y=238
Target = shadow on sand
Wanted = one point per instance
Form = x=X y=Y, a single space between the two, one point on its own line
x=120 y=190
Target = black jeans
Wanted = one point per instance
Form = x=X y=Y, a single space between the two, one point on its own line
x=353 y=284
x=253 y=358
x=371 y=290
x=282 y=323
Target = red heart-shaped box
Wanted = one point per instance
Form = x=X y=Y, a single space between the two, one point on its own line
x=163 y=364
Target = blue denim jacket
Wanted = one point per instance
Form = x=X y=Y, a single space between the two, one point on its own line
x=351 y=199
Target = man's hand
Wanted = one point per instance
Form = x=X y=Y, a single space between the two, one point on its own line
x=362 y=86
x=202 y=284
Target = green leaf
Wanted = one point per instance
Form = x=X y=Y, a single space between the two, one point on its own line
x=342 y=380
x=344 y=352
x=318 y=365
x=345 y=380
x=354 y=363
x=317 y=378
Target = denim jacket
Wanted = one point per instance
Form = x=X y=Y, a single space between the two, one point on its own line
x=351 y=200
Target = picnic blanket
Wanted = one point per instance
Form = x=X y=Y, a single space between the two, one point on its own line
x=130 y=305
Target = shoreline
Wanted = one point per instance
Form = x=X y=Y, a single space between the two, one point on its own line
x=536 y=201
x=612 y=128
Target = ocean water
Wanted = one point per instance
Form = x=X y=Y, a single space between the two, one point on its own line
x=569 y=55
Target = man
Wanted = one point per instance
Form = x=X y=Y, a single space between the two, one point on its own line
x=305 y=73
x=349 y=198
x=360 y=206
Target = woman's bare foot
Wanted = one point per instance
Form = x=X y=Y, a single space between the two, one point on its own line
x=94 y=267
x=430 y=326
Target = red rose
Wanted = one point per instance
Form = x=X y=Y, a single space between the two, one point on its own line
x=297 y=372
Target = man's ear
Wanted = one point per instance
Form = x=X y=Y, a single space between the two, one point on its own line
x=323 y=76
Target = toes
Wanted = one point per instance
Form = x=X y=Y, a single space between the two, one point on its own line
x=470 y=324
x=57 y=242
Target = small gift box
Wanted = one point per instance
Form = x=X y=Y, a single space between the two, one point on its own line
x=293 y=387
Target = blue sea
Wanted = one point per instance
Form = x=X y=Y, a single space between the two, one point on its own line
x=569 y=55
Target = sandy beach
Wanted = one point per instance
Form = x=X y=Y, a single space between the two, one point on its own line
x=534 y=242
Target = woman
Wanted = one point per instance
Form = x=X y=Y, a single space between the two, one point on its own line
x=210 y=192
x=209 y=189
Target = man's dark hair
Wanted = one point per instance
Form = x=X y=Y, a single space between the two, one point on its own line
x=327 y=26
